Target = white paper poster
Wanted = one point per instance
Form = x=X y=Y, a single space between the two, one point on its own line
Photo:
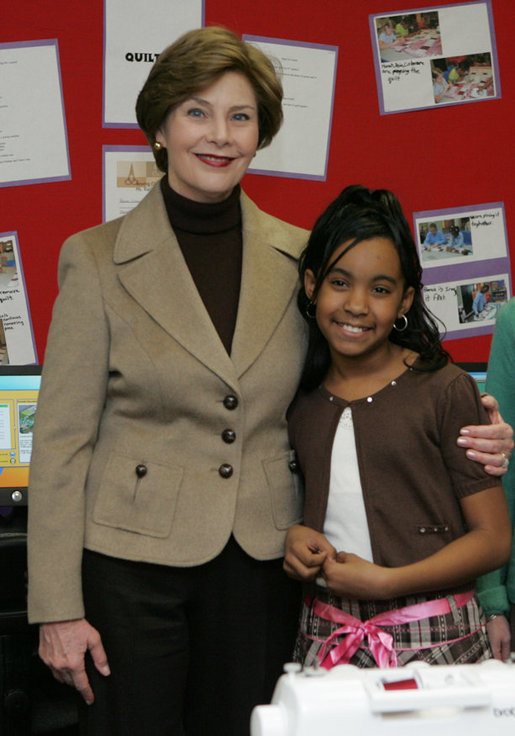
x=33 y=140
x=17 y=345
x=129 y=173
x=465 y=256
x=435 y=56
x=134 y=36
x=308 y=75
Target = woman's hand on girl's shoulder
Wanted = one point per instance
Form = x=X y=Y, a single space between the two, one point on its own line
x=489 y=444
x=305 y=551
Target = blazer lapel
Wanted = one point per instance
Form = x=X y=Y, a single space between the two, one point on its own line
x=154 y=273
x=269 y=281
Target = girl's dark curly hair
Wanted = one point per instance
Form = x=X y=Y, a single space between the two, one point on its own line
x=359 y=214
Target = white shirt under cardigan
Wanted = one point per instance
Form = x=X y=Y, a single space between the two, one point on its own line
x=345 y=524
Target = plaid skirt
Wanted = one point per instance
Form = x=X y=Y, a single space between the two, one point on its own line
x=457 y=637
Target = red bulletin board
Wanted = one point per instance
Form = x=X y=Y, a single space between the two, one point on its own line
x=452 y=156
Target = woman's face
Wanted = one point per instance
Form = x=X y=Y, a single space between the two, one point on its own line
x=211 y=139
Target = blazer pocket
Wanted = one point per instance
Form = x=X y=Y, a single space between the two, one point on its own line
x=286 y=489
x=138 y=496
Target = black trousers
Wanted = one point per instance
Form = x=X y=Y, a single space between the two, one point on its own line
x=191 y=650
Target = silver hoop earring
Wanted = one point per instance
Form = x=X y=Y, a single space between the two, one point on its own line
x=404 y=326
x=313 y=314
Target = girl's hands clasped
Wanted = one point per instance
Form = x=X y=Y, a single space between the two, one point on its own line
x=350 y=576
x=306 y=552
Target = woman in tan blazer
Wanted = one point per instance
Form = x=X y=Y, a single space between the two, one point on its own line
x=161 y=442
x=162 y=482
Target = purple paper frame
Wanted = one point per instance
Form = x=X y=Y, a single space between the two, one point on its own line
x=19 y=268
x=476 y=270
x=302 y=44
x=377 y=60
x=44 y=180
x=131 y=126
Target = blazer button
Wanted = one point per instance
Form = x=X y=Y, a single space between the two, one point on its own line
x=225 y=470
x=294 y=466
x=141 y=470
x=230 y=402
x=228 y=435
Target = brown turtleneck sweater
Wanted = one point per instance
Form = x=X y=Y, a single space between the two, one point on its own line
x=210 y=239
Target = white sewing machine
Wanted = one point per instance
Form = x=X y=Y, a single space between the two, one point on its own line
x=457 y=700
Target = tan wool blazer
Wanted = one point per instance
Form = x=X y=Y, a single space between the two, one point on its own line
x=130 y=456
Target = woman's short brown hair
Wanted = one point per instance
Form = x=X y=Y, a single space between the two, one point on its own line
x=195 y=61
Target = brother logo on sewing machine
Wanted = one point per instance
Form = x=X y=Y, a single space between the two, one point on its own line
x=504 y=712
x=418 y=698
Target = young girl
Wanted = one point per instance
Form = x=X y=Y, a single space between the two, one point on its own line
x=398 y=522
x=387 y=36
x=440 y=86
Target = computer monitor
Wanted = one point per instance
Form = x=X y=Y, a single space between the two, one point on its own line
x=477 y=371
x=19 y=389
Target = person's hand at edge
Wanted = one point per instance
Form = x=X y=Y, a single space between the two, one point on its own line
x=63 y=646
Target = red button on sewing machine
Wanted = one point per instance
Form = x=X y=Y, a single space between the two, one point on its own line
x=408 y=684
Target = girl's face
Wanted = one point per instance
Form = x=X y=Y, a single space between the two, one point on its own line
x=360 y=298
x=211 y=139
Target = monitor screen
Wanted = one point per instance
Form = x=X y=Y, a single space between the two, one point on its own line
x=19 y=388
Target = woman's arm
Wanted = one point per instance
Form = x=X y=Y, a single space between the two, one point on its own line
x=70 y=406
x=489 y=444
x=484 y=547
x=492 y=588
x=69 y=409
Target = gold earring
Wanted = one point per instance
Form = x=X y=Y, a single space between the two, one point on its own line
x=157 y=146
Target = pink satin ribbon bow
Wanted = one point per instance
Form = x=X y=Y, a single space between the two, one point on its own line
x=379 y=642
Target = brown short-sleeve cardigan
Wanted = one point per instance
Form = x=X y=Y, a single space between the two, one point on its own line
x=412 y=471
